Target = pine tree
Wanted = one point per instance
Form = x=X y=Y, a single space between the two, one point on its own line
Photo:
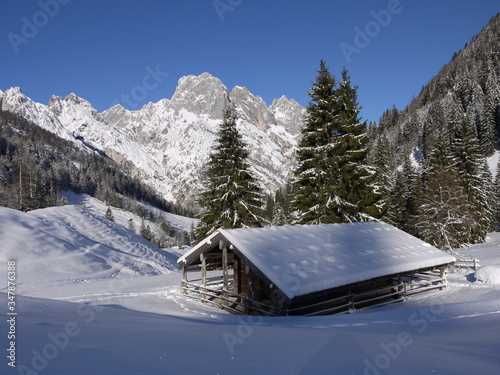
x=232 y=197
x=310 y=176
x=131 y=227
x=333 y=182
x=279 y=217
x=109 y=215
x=351 y=189
x=404 y=199
x=467 y=159
x=495 y=225
x=444 y=206
x=146 y=232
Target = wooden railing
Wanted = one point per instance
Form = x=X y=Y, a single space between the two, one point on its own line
x=227 y=299
x=214 y=293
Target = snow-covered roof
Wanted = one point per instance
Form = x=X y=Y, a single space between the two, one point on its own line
x=303 y=259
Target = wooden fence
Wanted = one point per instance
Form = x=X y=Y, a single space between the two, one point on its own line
x=214 y=293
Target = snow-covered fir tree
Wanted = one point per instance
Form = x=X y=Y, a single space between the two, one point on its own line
x=232 y=197
x=404 y=197
x=309 y=198
x=467 y=159
x=444 y=206
x=130 y=226
x=333 y=182
x=109 y=214
x=456 y=205
x=353 y=194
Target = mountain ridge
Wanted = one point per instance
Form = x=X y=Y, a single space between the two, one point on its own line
x=167 y=143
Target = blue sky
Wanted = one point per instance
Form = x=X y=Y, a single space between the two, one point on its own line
x=106 y=50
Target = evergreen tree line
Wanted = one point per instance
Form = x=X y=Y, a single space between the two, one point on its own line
x=441 y=190
x=169 y=235
x=432 y=156
x=36 y=165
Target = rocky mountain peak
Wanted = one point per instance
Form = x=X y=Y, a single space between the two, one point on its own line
x=289 y=114
x=15 y=101
x=74 y=112
x=201 y=95
x=251 y=108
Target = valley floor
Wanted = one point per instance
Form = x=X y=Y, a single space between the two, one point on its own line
x=143 y=325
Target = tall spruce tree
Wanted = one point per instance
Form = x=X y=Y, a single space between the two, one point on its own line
x=456 y=204
x=444 y=205
x=309 y=200
x=232 y=198
x=333 y=182
x=495 y=225
x=353 y=194
x=404 y=198
x=467 y=159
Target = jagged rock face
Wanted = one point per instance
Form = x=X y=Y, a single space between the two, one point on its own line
x=13 y=100
x=289 y=114
x=201 y=95
x=168 y=143
x=251 y=108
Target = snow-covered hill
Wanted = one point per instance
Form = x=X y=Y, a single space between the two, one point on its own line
x=71 y=243
x=167 y=143
x=75 y=318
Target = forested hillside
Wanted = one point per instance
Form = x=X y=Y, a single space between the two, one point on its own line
x=35 y=165
x=439 y=154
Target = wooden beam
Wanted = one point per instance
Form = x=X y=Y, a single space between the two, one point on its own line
x=225 y=272
x=184 y=280
x=217 y=256
x=203 y=273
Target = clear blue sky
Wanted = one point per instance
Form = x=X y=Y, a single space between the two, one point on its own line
x=103 y=50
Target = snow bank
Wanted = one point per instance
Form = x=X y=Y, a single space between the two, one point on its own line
x=489 y=274
x=61 y=243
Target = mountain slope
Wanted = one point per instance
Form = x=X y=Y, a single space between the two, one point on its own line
x=167 y=143
x=60 y=243
x=469 y=86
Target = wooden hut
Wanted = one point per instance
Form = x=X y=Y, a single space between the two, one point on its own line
x=311 y=269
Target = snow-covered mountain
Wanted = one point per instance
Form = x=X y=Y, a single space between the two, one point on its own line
x=167 y=143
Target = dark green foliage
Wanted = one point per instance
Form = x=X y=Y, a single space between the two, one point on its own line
x=109 y=215
x=467 y=159
x=333 y=182
x=131 y=227
x=146 y=233
x=310 y=177
x=352 y=191
x=232 y=198
x=449 y=199
x=404 y=199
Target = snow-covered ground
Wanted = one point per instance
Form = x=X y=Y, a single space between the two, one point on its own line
x=92 y=298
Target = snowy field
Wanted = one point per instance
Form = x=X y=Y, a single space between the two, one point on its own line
x=93 y=298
